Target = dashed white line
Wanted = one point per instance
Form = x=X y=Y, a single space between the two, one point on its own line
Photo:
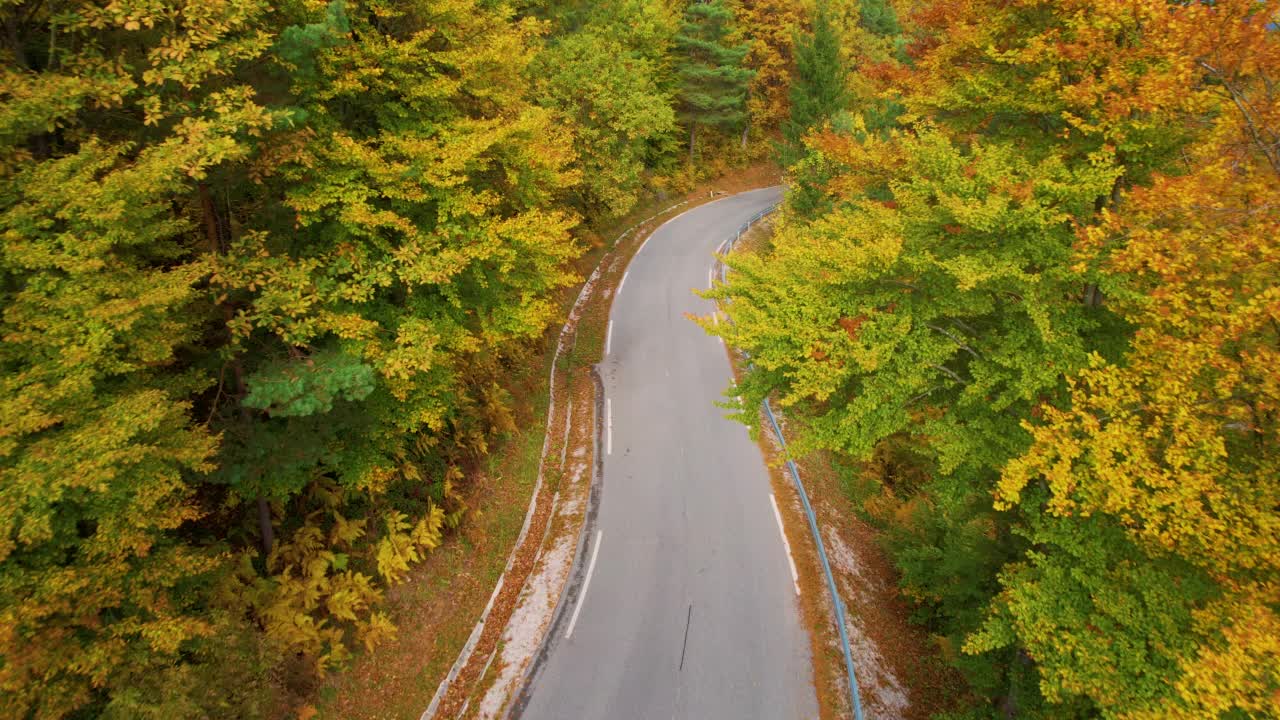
x=622 y=282
x=710 y=274
x=795 y=577
x=608 y=340
x=591 y=568
x=608 y=429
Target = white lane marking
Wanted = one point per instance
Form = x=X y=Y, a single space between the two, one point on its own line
x=608 y=341
x=795 y=577
x=623 y=282
x=608 y=430
x=591 y=568
x=711 y=274
x=715 y=317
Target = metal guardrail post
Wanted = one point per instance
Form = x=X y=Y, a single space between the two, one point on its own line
x=836 y=602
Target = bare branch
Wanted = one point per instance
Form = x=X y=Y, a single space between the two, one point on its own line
x=955 y=340
x=950 y=373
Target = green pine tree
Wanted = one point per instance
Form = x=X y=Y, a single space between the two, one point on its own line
x=878 y=17
x=820 y=89
x=712 y=79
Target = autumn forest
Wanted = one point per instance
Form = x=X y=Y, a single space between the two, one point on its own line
x=266 y=270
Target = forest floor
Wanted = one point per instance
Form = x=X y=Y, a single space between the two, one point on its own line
x=900 y=669
x=436 y=610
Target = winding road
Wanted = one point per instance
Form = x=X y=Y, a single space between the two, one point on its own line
x=687 y=607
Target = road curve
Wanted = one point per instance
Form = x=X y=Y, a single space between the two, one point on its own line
x=687 y=608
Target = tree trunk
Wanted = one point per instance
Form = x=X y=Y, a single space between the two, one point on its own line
x=1092 y=295
x=1009 y=703
x=265 y=530
x=210 y=219
x=693 y=140
x=13 y=36
x=745 y=129
x=264 y=526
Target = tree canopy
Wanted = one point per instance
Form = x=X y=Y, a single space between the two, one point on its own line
x=266 y=271
x=1033 y=309
x=712 y=78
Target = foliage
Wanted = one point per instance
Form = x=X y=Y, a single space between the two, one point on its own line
x=878 y=17
x=317 y=594
x=1043 y=315
x=1176 y=444
x=772 y=26
x=712 y=79
x=265 y=269
x=821 y=87
x=100 y=303
x=606 y=78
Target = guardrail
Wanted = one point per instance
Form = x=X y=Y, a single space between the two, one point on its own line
x=836 y=602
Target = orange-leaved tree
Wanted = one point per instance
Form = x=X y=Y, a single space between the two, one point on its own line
x=1175 y=448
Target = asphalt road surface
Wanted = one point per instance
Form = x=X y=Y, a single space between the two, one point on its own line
x=687 y=607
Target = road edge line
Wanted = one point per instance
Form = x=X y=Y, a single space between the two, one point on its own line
x=795 y=576
x=586 y=585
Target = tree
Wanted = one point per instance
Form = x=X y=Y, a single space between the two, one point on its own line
x=907 y=315
x=411 y=242
x=1174 y=451
x=606 y=79
x=820 y=87
x=712 y=80
x=1055 y=287
x=262 y=272
x=878 y=17
x=120 y=113
x=772 y=26
x=1175 y=446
